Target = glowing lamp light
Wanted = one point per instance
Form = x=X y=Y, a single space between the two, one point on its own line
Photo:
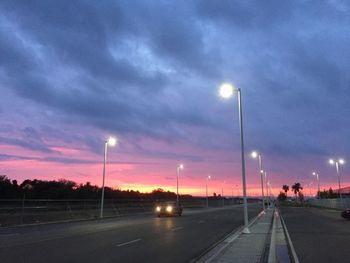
x=112 y=141
x=341 y=161
x=254 y=154
x=313 y=173
x=331 y=161
x=181 y=166
x=226 y=90
x=169 y=208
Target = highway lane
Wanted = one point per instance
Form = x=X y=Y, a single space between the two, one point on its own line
x=129 y=239
x=318 y=235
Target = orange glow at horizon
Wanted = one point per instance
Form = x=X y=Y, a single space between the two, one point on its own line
x=144 y=174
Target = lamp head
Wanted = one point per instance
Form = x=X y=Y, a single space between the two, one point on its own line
x=112 y=141
x=331 y=161
x=341 y=161
x=226 y=90
x=181 y=166
x=254 y=154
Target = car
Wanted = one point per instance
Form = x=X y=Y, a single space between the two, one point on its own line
x=168 y=209
x=346 y=213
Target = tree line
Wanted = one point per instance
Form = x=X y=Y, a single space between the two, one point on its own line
x=297 y=190
x=66 y=189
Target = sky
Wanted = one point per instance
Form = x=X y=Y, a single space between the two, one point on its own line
x=73 y=73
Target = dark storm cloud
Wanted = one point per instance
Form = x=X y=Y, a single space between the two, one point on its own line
x=79 y=36
x=62 y=160
x=145 y=69
x=297 y=59
x=246 y=14
x=32 y=140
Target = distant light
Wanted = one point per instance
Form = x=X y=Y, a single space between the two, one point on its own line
x=169 y=208
x=331 y=161
x=254 y=154
x=158 y=208
x=313 y=173
x=261 y=171
x=226 y=90
x=181 y=166
x=341 y=161
x=209 y=176
x=112 y=141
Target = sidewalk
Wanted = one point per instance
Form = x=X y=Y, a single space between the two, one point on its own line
x=245 y=248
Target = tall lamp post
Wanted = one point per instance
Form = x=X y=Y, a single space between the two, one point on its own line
x=111 y=142
x=258 y=155
x=267 y=190
x=178 y=168
x=226 y=91
x=270 y=192
x=318 y=183
x=336 y=163
x=206 y=189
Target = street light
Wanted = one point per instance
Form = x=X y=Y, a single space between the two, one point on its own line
x=111 y=142
x=318 y=183
x=267 y=191
x=270 y=193
x=258 y=155
x=178 y=168
x=206 y=188
x=337 y=162
x=226 y=91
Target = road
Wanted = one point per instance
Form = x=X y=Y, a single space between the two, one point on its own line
x=318 y=235
x=128 y=239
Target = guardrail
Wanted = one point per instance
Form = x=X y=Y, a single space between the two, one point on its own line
x=28 y=211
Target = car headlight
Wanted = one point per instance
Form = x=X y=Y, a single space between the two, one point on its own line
x=169 y=208
x=158 y=208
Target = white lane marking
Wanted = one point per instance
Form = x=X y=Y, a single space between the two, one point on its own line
x=130 y=242
x=177 y=228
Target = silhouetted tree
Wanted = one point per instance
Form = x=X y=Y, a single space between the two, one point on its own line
x=328 y=194
x=296 y=189
x=285 y=189
x=66 y=189
x=8 y=189
x=282 y=197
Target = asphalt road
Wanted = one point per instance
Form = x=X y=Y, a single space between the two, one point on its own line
x=128 y=239
x=318 y=235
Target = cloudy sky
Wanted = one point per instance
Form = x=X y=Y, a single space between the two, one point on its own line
x=73 y=73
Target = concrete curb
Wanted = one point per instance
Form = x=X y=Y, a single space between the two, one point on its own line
x=289 y=241
x=272 y=251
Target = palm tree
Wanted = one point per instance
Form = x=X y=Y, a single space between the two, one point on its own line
x=296 y=188
x=285 y=188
